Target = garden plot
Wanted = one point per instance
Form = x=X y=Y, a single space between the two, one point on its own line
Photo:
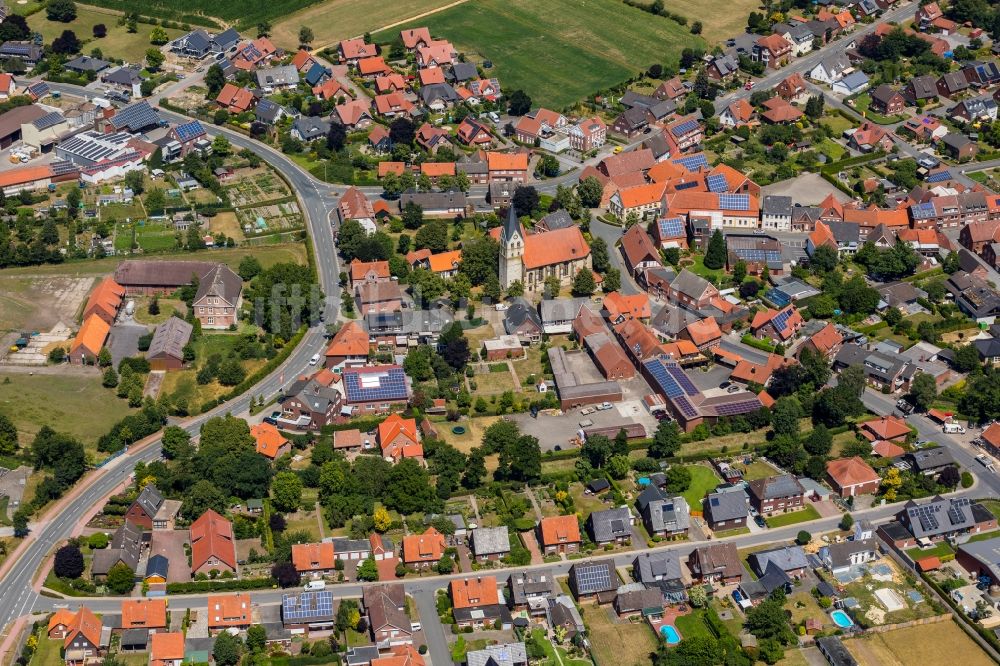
x=270 y=218
x=254 y=186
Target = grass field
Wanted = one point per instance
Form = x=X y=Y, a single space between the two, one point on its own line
x=236 y=12
x=719 y=22
x=130 y=47
x=758 y=469
x=940 y=550
x=74 y=404
x=335 y=20
x=939 y=644
x=793 y=518
x=703 y=480
x=558 y=51
x=555 y=655
x=183 y=383
x=622 y=644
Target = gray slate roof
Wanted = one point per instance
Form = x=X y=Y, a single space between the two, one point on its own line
x=506 y=654
x=788 y=558
x=169 y=338
x=726 y=506
x=657 y=566
x=611 y=524
x=784 y=485
x=490 y=540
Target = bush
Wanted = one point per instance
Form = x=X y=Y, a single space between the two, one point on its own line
x=803 y=538
x=98 y=541
x=967 y=480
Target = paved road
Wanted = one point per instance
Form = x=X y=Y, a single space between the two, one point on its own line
x=964 y=454
x=18 y=597
x=804 y=64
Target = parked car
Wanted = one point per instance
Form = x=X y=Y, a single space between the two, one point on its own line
x=273 y=418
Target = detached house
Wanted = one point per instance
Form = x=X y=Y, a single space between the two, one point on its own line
x=476 y=603
x=213 y=546
x=773 y=50
x=82 y=636
x=777 y=325
x=314 y=560
x=850 y=477
x=663 y=515
x=887 y=101
x=270 y=442
x=422 y=551
x=229 y=611
x=611 y=526
x=399 y=438
x=719 y=562
x=219 y=297
x=776 y=494
x=388 y=622
x=726 y=510
x=920 y=89
x=559 y=534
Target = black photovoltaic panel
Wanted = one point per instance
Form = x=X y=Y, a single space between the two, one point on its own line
x=682 y=380
x=391 y=385
x=734 y=408
x=734 y=201
x=683 y=404
x=717 y=183
x=307 y=605
x=593 y=577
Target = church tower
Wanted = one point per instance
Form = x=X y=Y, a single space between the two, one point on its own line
x=511 y=250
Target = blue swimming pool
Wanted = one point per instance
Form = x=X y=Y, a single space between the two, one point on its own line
x=842 y=619
x=670 y=634
x=643 y=481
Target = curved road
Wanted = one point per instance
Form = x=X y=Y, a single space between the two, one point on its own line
x=18 y=597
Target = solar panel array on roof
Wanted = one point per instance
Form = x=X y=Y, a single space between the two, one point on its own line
x=922 y=211
x=667 y=383
x=17 y=48
x=734 y=408
x=682 y=379
x=593 y=577
x=40 y=89
x=734 y=201
x=50 y=119
x=687 y=409
x=939 y=176
x=717 y=183
x=368 y=386
x=307 y=605
x=91 y=147
x=779 y=298
x=62 y=167
x=686 y=186
x=692 y=162
x=252 y=53
x=781 y=320
x=672 y=227
x=135 y=117
x=189 y=131
x=685 y=127
x=757 y=254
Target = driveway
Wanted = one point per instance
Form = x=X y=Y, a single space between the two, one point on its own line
x=124 y=341
x=170 y=544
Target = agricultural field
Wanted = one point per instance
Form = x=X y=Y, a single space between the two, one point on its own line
x=71 y=403
x=560 y=51
x=118 y=43
x=270 y=218
x=253 y=186
x=236 y=12
x=335 y=20
x=938 y=644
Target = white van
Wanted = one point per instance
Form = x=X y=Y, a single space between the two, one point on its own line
x=953 y=428
x=314 y=585
x=314 y=360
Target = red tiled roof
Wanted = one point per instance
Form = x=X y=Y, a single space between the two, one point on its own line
x=426 y=547
x=472 y=592
x=559 y=529
x=308 y=557
x=144 y=613
x=826 y=339
x=166 y=646
x=887 y=449
x=704 y=331
x=269 y=440
x=350 y=340
x=554 y=247
x=887 y=427
x=851 y=472
x=229 y=610
x=212 y=535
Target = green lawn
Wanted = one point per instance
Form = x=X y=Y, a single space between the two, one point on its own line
x=4 y=520
x=793 y=518
x=698 y=268
x=461 y=646
x=559 y=51
x=758 y=469
x=975 y=537
x=555 y=655
x=940 y=550
x=703 y=480
x=693 y=625
x=118 y=43
x=74 y=404
x=334 y=20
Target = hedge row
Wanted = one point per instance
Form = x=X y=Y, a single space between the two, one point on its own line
x=221 y=585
